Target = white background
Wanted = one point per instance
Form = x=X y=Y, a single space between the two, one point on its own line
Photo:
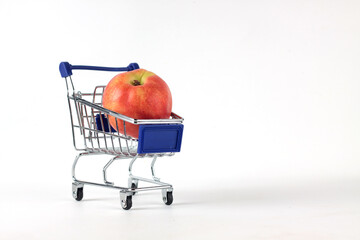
x=270 y=95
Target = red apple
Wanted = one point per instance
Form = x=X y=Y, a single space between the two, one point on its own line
x=138 y=94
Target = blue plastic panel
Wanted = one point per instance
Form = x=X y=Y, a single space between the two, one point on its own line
x=104 y=122
x=160 y=138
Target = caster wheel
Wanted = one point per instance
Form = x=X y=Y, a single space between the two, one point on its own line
x=126 y=204
x=78 y=194
x=168 y=200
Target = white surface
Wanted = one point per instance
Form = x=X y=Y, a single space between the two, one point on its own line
x=270 y=95
x=320 y=210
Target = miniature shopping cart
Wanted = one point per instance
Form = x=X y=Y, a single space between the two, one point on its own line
x=93 y=134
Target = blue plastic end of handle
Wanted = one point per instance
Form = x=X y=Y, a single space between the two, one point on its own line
x=65 y=69
x=133 y=66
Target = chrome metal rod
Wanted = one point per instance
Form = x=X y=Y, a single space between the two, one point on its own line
x=104 y=110
x=176 y=119
x=126 y=189
x=150 y=181
x=74 y=166
x=106 y=133
x=153 y=170
x=150 y=188
x=158 y=121
x=105 y=168
x=76 y=161
x=131 y=164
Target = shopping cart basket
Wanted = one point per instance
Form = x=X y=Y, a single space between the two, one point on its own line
x=93 y=134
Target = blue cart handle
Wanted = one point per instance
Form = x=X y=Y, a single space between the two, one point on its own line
x=66 y=68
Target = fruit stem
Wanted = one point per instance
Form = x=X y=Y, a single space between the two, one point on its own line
x=136 y=83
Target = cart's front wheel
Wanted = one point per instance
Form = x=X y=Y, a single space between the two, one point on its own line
x=126 y=203
x=77 y=191
x=78 y=194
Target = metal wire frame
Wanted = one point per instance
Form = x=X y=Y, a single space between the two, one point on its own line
x=99 y=141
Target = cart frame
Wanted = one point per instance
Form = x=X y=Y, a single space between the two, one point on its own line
x=90 y=120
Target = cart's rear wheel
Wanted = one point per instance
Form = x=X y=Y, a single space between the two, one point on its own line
x=168 y=200
x=127 y=203
x=79 y=194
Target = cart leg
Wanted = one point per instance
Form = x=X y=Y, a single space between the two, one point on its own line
x=74 y=166
x=131 y=164
x=153 y=170
x=132 y=183
x=76 y=161
x=105 y=168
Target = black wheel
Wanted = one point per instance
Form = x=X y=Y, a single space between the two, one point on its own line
x=169 y=198
x=79 y=194
x=127 y=204
x=133 y=187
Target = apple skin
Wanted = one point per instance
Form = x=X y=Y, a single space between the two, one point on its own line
x=138 y=94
